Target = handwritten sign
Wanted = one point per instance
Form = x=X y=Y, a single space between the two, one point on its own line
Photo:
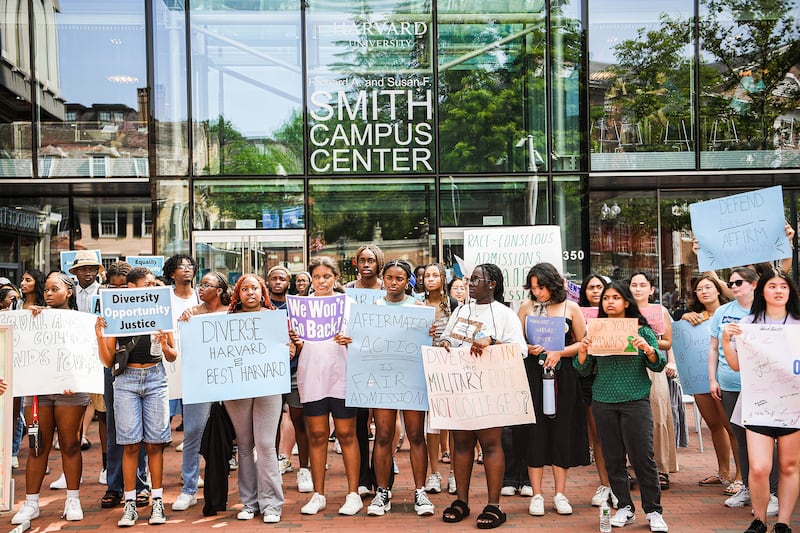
x=690 y=346
x=589 y=312
x=515 y=250
x=136 y=311
x=546 y=331
x=234 y=356
x=384 y=361
x=314 y=318
x=54 y=351
x=654 y=314
x=573 y=291
x=365 y=296
x=613 y=336
x=7 y=422
x=67 y=259
x=740 y=229
x=155 y=263
x=469 y=392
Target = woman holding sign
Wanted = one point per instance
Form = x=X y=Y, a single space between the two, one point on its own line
x=621 y=407
x=50 y=412
x=555 y=439
x=776 y=301
x=483 y=322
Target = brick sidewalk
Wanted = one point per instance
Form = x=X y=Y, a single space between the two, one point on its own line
x=687 y=506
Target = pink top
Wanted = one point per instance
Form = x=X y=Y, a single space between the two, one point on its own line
x=322 y=371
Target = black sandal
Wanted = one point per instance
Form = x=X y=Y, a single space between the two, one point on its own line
x=110 y=500
x=457 y=512
x=491 y=517
x=143 y=498
x=663 y=480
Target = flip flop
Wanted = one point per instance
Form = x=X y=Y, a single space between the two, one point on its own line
x=491 y=517
x=711 y=480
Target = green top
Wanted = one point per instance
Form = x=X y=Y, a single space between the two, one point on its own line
x=622 y=378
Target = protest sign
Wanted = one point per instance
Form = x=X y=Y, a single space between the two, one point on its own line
x=546 y=331
x=94 y=304
x=54 y=351
x=613 y=336
x=514 y=250
x=67 y=258
x=315 y=318
x=136 y=311
x=364 y=296
x=155 y=263
x=7 y=421
x=769 y=365
x=741 y=229
x=384 y=361
x=573 y=291
x=589 y=312
x=477 y=392
x=233 y=356
x=654 y=314
x=174 y=370
x=690 y=346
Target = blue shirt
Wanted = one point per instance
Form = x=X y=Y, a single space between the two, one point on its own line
x=728 y=313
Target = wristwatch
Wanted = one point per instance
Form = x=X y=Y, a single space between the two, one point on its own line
x=493 y=340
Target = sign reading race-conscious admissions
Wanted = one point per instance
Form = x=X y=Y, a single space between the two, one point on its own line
x=384 y=361
x=136 y=311
x=316 y=319
x=229 y=356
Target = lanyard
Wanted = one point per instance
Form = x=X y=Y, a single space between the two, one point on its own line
x=35 y=409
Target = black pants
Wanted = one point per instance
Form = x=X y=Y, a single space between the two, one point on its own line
x=515 y=439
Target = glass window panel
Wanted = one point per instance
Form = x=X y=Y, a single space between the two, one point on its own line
x=641 y=85
x=171 y=232
x=569 y=214
x=396 y=215
x=15 y=91
x=112 y=225
x=750 y=111
x=267 y=204
x=493 y=201
x=370 y=87
x=43 y=226
x=247 y=88
x=91 y=62
x=566 y=37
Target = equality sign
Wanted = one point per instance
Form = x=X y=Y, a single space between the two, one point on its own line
x=515 y=250
x=67 y=258
x=364 y=296
x=136 y=311
x=153 y=262
x=384 y=361
x=690 y=346
x=477 y=392
x=769 y=364
x=315 y=318
x=613 y=336
x=741 y=229
x=229 y=356
x=54 y=351
x=546 y=331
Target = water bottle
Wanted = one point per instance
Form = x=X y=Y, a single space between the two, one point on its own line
x=605 y=518
x=549 y=392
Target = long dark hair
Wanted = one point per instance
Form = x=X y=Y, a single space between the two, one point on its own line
x=695 y=304
x=583 y=301
x=38 y=286
x=759 y=307
x=492 y=272
x=632 y=311
x=650 y=279
x=548 y=277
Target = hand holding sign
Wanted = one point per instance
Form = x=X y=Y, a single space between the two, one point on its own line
x=316 y=319
x=613 y=336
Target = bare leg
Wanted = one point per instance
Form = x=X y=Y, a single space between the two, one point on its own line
x=464 y=446
x=318 y=430
x=68 y=421
x=300 y=435
x=789 y=482
x=385 y=430
x=415 y=432
x=351 y=454
x=494 y=461
x=37 y=464
x=712 y=412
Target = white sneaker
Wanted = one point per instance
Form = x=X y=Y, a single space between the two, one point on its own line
x=363 y=490
x=129 y=515
x=60 y=483
x=157 y=515
x=352 y=504
x=434 y=483
x=772 y=506
x=316 y=504
x=561 y=503
x=72 y=510
x=740 y=499
x=184 y=501
x=451 y=483
x=526 y=491
x=271 y=518
x=247 y=513
x=304 y=481
x=623 y=517
x=103 y=477
x=284 y=464
x=179 y=447
x=536 y=508
x=657 y=522
x=337 y=447
x=200 y=482
x=381 y=504
x=14 y=461
x=27 y=511
x=422 y=505
x=508 y=490
x=601 y=495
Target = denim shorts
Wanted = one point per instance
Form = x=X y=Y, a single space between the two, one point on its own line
x=141 y=406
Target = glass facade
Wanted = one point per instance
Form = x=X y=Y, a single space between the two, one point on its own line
x=252 y=133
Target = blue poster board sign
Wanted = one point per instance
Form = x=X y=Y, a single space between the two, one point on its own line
x=136 y=311
x=153 y=262
x=690 y=346
x=316 y=319
x=364 y=296
x=67 y=259
x=546 y=331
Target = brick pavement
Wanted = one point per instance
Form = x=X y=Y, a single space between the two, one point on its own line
x=687 y=506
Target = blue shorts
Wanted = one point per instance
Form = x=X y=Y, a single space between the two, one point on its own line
x=333 y=406
x=141 y=406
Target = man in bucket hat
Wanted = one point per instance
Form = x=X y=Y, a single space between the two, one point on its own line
x=86 y=268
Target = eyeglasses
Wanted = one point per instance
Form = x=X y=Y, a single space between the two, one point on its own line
x=706 y=289
x=477 y=281
x=185 y=267
x=738 y=283
x=207 y=286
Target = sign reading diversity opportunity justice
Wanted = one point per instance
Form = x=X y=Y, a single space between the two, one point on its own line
x=136 y=311
x=384 y=361
x=314 y=318
x=470 y=392
x=234 y=356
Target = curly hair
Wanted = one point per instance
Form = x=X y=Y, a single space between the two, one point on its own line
x=171 y=264
x=236 y=301
x=548 y=277
x=66 y=279
x=444 y=294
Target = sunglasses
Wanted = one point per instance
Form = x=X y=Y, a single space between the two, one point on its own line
x=737 y=283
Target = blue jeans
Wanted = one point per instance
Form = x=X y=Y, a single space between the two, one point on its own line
x=114 y=450
x=142 y=406
x=195 y=416
x=18 y=429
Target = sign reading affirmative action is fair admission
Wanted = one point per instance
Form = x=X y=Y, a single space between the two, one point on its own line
x=136 y=311
x=469 y=392
x=234 y=356
x=741 y=229
x=384 y=361
x=316 y=318
x=54 y=351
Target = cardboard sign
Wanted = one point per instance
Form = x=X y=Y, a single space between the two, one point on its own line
x=136 y=311
x=690 y=346
x=469 y=392
x=546 y=331
x=613 y=336
x=155 y=263
x=384 y=361
x=316 y=319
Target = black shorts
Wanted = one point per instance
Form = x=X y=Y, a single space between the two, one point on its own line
x=333 y=406
x=770 y=431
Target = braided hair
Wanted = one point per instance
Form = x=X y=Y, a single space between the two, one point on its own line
x=493 y=273
x=66 y=279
